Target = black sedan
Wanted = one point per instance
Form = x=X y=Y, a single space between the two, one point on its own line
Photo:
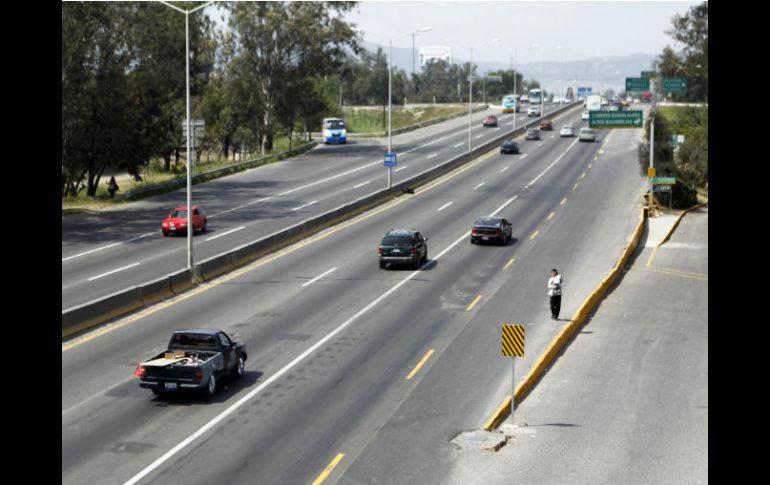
x=509 y=146
x=491 y=228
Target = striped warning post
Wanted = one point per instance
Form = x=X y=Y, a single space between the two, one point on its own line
x=513 y=340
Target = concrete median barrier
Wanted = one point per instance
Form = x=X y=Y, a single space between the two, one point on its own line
x=101 y=311
x=93 y=313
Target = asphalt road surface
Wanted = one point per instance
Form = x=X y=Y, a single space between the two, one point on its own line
x=329 y=357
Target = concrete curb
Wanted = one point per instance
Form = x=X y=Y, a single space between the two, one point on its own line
x=678 y=220
x=100 y=311
x=567 y=332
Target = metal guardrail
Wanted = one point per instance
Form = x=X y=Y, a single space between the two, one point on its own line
x=118 y=304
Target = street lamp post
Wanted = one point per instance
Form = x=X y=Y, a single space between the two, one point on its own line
x=470 y=93
x=190 y=228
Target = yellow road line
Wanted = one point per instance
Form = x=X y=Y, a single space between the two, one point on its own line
x=675 y=272
x=328 y=469
x=583 y=176
x=590 y=165
x=510 y=262
x=270 y=258
x=563 y=201
x=649 y=261
x=473 y=303
x=551 y=215
x=534 y=234
x=596 y=158
x=419 y=366
x=573 y=188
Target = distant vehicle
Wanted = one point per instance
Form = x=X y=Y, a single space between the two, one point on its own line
x=646 y=97
x=626 y=102
x=533 y=110
x=532 y=134
x=535 y=96
x=489 y=228
x=556 y=99
x=586 y=115
x=176 y=221
x=490 y=121
x=567 y=130
x=510 y=104
x=594 y=102
x=524 y=99
x=334 y=130
x=614 y=107
x=403 y=247
x=567 y=100
x=604 y=101
x=509 y=146
x=546 y=125
x=587 y=134
x=195 y=360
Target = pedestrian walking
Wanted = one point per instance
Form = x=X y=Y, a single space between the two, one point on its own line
x=112 y=187
x=554 y=292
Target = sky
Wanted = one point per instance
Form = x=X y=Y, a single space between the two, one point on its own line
x=583 y=29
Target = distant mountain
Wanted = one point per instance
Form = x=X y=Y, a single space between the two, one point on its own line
x=599 y=72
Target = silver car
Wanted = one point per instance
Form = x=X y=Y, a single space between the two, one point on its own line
x=533 y=111
x=586 y=115
x=567 y=130
x=587 y=134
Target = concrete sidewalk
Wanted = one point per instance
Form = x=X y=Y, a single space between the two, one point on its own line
x=627 y=401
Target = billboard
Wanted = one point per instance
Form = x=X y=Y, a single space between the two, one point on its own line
x=428 y=54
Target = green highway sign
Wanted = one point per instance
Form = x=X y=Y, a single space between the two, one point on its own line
x=637 y=84
x=675 y=85
x=615 y=119
x=662 y=180
x=648 y=74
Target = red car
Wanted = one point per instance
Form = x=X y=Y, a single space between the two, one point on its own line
x=546 y=125
x=490 y=121
x=176 y=221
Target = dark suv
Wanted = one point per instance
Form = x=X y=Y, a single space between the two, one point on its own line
x=402 y=246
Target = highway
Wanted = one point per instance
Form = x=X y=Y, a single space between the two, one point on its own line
x=109 y=251
x=332 y=338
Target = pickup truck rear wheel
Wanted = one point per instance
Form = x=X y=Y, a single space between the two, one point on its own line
x=239 y=367
x=211 y=388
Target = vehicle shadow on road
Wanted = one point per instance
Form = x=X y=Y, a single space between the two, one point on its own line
x=227 y=387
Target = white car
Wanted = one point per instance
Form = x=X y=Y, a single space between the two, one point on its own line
x=587 y=134
x=614 y=108
x=567 y=130
x=533 y=111
x=585 y=115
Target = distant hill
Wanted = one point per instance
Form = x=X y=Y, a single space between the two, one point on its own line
x=600 y=71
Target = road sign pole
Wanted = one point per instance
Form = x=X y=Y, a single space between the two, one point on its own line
x=513 y=387
x=652 y=152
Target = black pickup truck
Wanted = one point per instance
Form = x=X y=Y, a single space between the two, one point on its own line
x=195 y=359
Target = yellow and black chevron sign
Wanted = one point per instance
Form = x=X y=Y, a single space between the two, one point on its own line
x=513 y=340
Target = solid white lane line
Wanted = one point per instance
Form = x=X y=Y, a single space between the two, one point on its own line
x=444 y=206
x=549 y=167
x=221 y=416
x=478 y=186
x=361 y=185
x=399 y=169
x=431 y=156
x=106 y=247
x=459 y=145
x=113 y=271
x=318 y=277
x=503 y=170
x=303 y=206
x=226 y=233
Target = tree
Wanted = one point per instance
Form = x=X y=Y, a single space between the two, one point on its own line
x=279 y=41
x=691 y=30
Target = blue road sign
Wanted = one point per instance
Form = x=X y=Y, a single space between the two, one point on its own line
x=390 y=159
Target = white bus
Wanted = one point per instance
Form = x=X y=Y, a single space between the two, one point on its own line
x=535 y=96
x=334 y=130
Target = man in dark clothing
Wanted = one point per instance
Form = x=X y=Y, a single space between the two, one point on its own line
x=112 y=187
